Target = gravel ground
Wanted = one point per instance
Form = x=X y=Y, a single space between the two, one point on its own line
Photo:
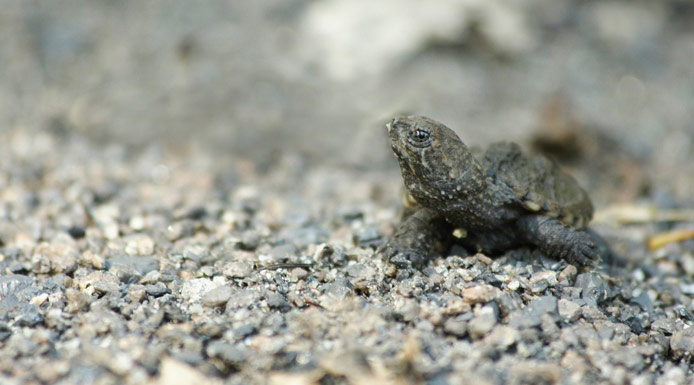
x=196 y=194
x=122 y=267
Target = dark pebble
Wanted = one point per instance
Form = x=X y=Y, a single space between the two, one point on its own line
x=532 y=315
x=508 y=302
x=283 y=253
x=368 y=236
x=350 y=214
x=635 y=323
x=245 y=330
x=77 y=232
x=278 y=302
x=27 y=315
x=55 y=283
x=683 y=313
x=124 y=273
x=332 y=256
x=5 y=331
x=157 y=290
x=643 y=301
x=196 y=213
x=593 y=286
x=250 y=240
x=168 y=274
x=229 y=354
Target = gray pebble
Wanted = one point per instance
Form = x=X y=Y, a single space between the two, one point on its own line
x=508 y=302
x=13 y=283
x=250 y=240
x=502 y=337
x=682 y=342
x=483 y=322
x=131 y=269
x=593 y=286
x=245 y=331
x=540 y=281
x=604 y=329
x=665 y=325
x=331 y=255
x=103 y=282
x=278 y=302
x=643 y=300
x=339 y=288
x=531 y=316
x=548 y=325
x=455 y=326
x=217 y=297
x=406 y=309
x=157 y=290
x=283 y=253
x=76 y=300
x=592 y=313
x=355 y=270
x=368 y=236
x=299 y=273
x=630 y=358
x=230 y=354
x=305 y=236
x=674 y=375
x=237 y=269
x=242 y=298
x=26 y=315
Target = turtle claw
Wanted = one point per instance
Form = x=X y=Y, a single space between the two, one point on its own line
x=403 y=257
x=583 y=251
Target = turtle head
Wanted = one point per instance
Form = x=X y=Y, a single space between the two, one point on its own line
x=431 y=156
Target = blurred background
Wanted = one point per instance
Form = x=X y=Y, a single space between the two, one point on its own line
x=605 y=87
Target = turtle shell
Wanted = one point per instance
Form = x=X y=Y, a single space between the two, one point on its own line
x=539 y=184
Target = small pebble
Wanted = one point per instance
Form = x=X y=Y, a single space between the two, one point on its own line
x=568 y=310
x=482 y=324
x=278 y=302
x=480 y=293
x=455 y=326
x=217 y=296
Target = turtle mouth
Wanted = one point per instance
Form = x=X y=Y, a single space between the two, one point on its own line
x=393 y=130
x=397 y=151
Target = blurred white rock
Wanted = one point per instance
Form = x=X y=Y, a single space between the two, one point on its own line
x=352 y=38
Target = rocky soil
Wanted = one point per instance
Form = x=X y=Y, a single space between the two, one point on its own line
x=124 y=268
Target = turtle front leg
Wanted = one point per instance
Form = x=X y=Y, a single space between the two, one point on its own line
x=558 y=240
x=413 y=242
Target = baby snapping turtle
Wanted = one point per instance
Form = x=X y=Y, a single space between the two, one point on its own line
x=502 y=200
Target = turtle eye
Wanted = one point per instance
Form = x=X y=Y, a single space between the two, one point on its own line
x=420 y=138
